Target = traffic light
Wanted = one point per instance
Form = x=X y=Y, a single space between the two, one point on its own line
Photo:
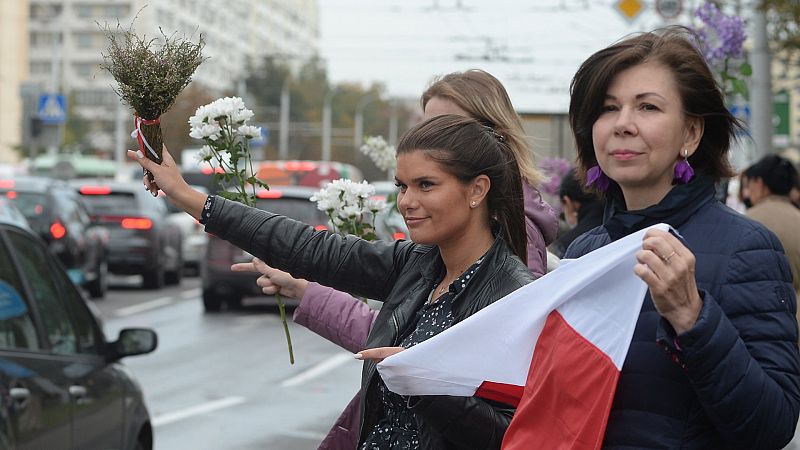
x=36 y=127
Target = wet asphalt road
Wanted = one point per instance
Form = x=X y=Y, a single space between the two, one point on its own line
x=223 y=381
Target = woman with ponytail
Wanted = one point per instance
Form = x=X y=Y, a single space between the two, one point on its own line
x=461 y=197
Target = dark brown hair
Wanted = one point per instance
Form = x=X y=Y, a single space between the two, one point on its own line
x=484 y=98
x=465 y=148
x=777 y=173
x=700 y=95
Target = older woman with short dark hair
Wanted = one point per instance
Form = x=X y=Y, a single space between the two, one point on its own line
x=714 y=361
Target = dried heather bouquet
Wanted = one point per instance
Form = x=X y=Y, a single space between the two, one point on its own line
x=150 y=78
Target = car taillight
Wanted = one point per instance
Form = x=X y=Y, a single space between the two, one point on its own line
x=6 y=184
x=137 y=223
x=95 y=190
x=398 y=235
x=269 y=194
x=320 y=227
x=11 y=194
x=57 y=230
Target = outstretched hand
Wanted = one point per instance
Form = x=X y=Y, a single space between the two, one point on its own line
x=273 y=281
x=166 y=175
x=167 y=178
x=379 y=353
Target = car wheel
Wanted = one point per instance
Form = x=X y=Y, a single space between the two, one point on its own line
x=99 y=286
x=153 y=279
x=174 y=277
x=212 y=300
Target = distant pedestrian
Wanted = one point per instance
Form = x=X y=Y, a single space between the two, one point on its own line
x=769 y=182
x=583 y=210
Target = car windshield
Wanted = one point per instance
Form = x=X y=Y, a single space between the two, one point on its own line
x=30 y=204
x=113 y=203
x=296 y=208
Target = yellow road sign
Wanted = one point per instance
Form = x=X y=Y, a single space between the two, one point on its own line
x=629 y=8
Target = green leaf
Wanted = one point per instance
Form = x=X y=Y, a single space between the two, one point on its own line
x=740 y=87
x=746 y=69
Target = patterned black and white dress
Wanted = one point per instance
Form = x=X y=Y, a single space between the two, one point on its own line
x=397 y=430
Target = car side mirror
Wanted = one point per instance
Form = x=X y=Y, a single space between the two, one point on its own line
x=134 y=341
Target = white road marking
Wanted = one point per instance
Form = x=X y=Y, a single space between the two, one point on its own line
x=191 y=293
x=202 y=408
x=310 y=435
x=315 y=371
x=141 y=307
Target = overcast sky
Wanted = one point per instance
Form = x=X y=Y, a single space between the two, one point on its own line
x=532 y=46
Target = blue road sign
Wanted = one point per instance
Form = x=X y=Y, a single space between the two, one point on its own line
x=263 y=140
x=52 y=109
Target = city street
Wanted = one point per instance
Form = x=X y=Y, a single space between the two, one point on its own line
x=224 y=380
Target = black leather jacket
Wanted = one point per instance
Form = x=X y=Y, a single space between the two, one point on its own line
x=401 y=274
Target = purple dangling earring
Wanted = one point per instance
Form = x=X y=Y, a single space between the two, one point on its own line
x=683 y=171
x=597 y=179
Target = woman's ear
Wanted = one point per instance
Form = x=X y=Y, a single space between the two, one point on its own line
x=479 y=189
x=693 y=134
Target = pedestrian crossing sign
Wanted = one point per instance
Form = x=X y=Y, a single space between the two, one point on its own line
x=52 y=109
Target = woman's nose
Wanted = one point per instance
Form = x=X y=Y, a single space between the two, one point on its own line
x=624 y=124
x=404 y=201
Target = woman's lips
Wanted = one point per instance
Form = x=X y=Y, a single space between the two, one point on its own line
x=624 y=155
x=412 y=221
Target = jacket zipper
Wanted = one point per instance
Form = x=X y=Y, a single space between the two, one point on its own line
x=396 y=328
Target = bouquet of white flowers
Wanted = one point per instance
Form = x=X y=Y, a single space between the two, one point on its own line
x=222 y=125
x=351 y=207
x=381 y=153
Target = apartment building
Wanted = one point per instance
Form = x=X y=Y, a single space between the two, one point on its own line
x=67 y=43
x=13 y=72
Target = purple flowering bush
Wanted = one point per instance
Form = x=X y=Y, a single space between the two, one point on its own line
x=554 y=169
x=721 y=39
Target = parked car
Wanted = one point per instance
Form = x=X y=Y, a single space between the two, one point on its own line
x=60 y=217
x=389 y=224
x=193 y=237
x=62 y=385
x=220 y=284
x=141 y=239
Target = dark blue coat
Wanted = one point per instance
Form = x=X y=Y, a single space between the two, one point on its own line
x=732 y=381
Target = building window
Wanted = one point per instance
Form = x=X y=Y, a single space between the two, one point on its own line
x=84 y=70
x=94 y=97
x=41 y=39
x=84 y=40
x=40 y=67
x=45 y=11
x=83 y=11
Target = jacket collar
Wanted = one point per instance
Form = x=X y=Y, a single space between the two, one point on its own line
x=674 y=209
x=431 y=264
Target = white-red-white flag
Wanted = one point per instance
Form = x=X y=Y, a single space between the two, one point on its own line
x=553 y=348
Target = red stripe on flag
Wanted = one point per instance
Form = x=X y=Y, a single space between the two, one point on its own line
x=500 y=392
x=568 y=393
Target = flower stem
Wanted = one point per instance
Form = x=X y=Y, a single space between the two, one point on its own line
x=282 y=309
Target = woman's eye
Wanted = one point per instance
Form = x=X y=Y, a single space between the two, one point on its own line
x=401 y=187
x=649 y=107
x=607 y=108
x=425 y=185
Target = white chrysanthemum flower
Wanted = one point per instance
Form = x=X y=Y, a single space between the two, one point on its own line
x=351 y=206
x=249 y=131
x=375 y=205
x=382 y=154
x=205 y=154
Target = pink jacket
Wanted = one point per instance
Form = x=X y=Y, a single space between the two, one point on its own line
x=346 y=321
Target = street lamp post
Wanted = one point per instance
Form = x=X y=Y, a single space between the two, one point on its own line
x=326 y=125
x=393 y=123
x=283 y=135
x=358 y=128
